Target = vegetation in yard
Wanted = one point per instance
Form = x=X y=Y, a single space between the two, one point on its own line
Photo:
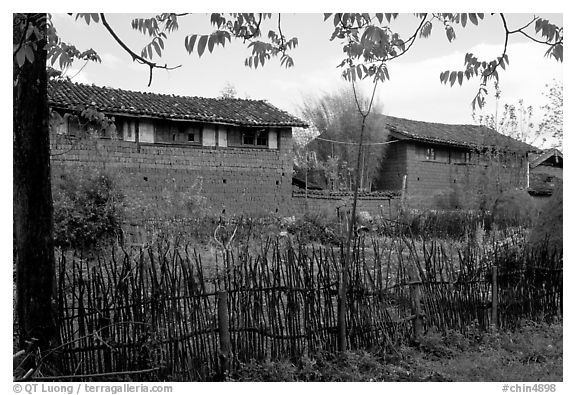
x=88 y=209
x=531 y=353
x=514 y=208
x=320 y=227
x=548 y=227
x=442 y=224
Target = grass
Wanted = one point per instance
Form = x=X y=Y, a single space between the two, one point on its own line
x=532 y=353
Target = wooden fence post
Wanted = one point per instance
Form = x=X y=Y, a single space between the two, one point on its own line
x=341 y=315
x=494 y=296
x=225 y=351
x=416 y=296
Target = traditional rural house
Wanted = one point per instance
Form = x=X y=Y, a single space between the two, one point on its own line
x=433 y=163
x=546 y=170
x=235 y=153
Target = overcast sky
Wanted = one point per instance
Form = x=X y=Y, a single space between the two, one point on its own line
x=414 y=90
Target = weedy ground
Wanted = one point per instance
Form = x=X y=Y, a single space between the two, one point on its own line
x=531 y=353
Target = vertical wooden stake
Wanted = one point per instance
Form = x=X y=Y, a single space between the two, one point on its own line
x=418 y=322
x=224 y=334
x=416 y=296
x=342 y=318
x=417 y=308
x=495 y=296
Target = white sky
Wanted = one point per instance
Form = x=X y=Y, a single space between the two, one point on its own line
x=414 y=90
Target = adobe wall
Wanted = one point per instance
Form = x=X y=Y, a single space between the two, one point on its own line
x=548 y=170
x=427 y=179
x=231 y=180
x=392 y=168
x=376 y=204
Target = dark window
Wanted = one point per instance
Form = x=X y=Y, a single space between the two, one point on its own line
x=257 y=138
x=461 y=156
x=248 y=138
x=178 y=132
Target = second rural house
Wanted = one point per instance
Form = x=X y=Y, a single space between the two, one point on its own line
x=546 y=172
x=429 y=161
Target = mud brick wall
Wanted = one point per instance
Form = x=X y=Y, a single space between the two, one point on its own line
x=552 y=171
x=229 y=181
x=325 y=204
x=392 y=168
x=427 y=178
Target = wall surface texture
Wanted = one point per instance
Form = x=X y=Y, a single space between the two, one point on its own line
x=429 y=178
x=166 y=177
x=373 y=204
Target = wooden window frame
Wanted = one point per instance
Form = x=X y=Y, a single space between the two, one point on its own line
x=255 y=135
x=177 y=129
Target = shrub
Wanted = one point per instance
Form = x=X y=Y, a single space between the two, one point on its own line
x=88 y=209
x=320 y=227
x=513 y=208
x=453 y=224
x=548 y=229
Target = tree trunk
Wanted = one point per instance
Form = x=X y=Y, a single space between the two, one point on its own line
x=343 y=287
x=33 y=239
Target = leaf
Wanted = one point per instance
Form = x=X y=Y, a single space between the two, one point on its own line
x=473 y=19
x=157 y=48
x=460 y=77
x=453 y=76
x=380 y=17
x=326 y=16
x=189 y=42
x=20 y=57
x=444 y=76
x=426 y=29
x=211 y=43
x=389 y=17
x=337 y=19
x=202 y=45
x=556 y=51
x=463 y=18
x=450 y=33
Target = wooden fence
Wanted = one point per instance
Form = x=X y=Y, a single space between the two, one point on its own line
x=166 y=313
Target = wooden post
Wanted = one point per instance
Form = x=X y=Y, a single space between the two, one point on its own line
x=495 y=296
x=416 y=295
x=418 y=322
x=403 y=196
x=225 y=351
x=342 y=291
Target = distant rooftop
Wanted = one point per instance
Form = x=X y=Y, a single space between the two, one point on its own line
x=459 y=135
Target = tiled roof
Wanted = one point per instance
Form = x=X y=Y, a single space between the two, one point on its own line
x=536 y=160
x=458 y=135
x=67 y=95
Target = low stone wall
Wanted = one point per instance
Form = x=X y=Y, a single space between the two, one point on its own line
x=375 y=203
